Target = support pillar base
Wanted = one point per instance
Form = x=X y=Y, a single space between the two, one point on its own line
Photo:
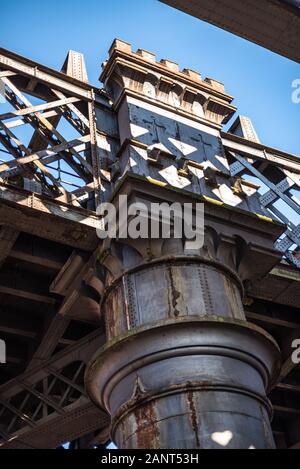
x=187 y=384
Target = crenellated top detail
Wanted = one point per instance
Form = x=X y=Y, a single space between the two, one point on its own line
x=125 y=47
x=139 y=72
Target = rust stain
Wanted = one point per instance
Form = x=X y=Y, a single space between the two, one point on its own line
x=174 y=293
x=147 y=432
x=193 y=416
x=266 y=428
x=147 y=427
x=234 y=303
x=110 y=318
x=123 y=433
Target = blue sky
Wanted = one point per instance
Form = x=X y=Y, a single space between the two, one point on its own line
x=259 y=80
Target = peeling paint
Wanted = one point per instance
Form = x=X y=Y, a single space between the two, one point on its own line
x=175 y=294
x=148 y=435
x=193 y=416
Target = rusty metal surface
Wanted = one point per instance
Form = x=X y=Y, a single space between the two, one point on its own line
x=66 y=99
x=173 y=382
x=52 y=397
x=159 y=391
x=170 y=290
x=172 y=368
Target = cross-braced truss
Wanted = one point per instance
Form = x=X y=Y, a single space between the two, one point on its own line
x=278 y=177
x=52 y=157
x=51 y=397
x=58 y=137
x=45 y=111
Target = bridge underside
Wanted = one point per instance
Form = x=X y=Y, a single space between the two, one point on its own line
x=50 y=317
x=273 y=24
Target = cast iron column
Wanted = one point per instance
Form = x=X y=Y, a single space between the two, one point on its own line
x=182 y=368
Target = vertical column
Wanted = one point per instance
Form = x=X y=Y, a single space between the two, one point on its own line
x=182 y=368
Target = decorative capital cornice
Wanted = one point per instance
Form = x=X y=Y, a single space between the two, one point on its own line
x=163 y=81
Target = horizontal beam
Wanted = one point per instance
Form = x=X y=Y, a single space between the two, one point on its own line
x=35 y=259
x=287 y=411
x=261 y=152
x=288 y=387
x=38 y=108
x=26 y=295
x=18 y=332
x=82 y=350
x=48 y=218
x=271 y=321
x=78 y=144
x=7 y=74
x=58 y=80
x=51 y=433
x=19 y=122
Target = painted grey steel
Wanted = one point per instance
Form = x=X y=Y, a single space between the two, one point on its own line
x=193 y=383
x=182 y=368
x=282 y=192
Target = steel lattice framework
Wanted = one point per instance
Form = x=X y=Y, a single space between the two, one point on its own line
x=52 y=176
